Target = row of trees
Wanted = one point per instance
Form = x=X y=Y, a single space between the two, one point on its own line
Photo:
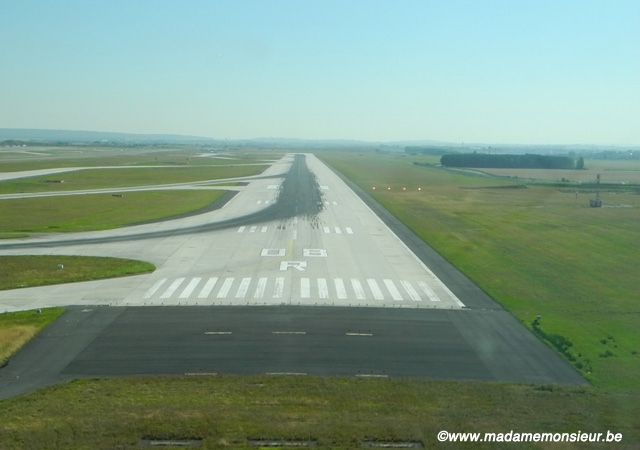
x=527 y=161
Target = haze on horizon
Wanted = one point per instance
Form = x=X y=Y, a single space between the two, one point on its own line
x=528 y=72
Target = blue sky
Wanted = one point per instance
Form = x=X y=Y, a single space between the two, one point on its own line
x=530 y=72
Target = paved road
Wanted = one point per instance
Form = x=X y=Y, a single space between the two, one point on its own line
x=229 y=282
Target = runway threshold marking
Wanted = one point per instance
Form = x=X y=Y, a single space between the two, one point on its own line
x=427 y=290
x=190 y=287
x=208 y=287
x=174 y=286
x=152 y=290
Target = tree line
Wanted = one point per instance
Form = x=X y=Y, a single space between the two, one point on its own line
x=526 y=161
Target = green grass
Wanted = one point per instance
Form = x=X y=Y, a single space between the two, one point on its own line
x=31 y=270
x=99 y=211
x=337 y=412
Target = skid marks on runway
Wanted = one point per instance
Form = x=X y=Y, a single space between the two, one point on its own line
x=276 y=289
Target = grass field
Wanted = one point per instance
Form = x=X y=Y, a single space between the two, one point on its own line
x=338 y=413
x=29 y=270
x=536 y=250
x=98 y=211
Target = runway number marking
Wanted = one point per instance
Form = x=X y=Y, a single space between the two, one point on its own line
x=298 y=265
x=273 y=252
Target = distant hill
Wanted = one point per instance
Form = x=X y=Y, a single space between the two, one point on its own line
x=73 y=136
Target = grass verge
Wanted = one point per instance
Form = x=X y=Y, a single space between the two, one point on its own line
x=31 y=270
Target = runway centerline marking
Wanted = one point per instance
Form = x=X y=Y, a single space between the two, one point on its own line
x=289 y=374
x=217 y=332
x=288 y=332
x=358 y=334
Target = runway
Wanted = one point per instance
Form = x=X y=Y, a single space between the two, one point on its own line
x=295 y=275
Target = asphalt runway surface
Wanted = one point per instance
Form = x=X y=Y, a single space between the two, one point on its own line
x=295 y=275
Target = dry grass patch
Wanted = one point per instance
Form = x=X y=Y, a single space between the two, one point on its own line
x=12 y=339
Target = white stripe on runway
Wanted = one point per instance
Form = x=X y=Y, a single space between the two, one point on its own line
x=241 y=229
x=357 y=287
x=323 y=288
x=411 y=291
x=208 y=287
x=326 y=230
x=264 y=229
x=393 y=290
x=172 y=288
x=349 y=230
x=341 y=291
x=152 y=290
x=427 y=290
x=253 y=229
x=190 y=287
x=244 y=287
x=375 y=289
x=226 y=286
x=262 y=284
x=305 y=288
x=278 y=289
x=338 y=230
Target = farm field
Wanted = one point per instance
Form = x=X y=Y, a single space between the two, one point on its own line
x=610 y=171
